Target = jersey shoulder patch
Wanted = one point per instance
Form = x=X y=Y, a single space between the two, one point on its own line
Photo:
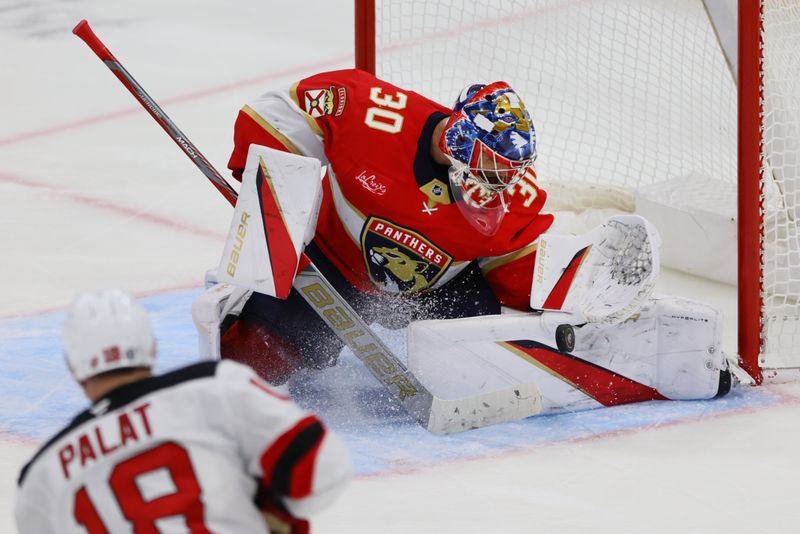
x=327 y=93
x=329 y=100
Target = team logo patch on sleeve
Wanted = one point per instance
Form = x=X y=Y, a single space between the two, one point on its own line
x=401 y=260
x=330 y=101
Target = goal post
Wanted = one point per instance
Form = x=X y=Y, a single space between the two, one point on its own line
x=749 y=203
x=636 y=109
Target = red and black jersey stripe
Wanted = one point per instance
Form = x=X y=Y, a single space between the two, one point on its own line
x=288 y=464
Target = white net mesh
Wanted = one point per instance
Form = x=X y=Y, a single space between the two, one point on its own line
x=616 y=89
x=781 y=179
x=624 y=94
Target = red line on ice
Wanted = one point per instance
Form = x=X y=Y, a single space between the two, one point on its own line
x=781 y=399
x=137 y=294
x=10 y=437
x=196 y=95
x=309 y=68
x=113 y=206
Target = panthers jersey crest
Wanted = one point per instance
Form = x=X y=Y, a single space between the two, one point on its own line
x=399 y=259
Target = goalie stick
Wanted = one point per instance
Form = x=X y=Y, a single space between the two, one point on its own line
x=440 y=416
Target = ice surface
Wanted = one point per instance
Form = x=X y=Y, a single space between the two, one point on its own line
x=92 y=193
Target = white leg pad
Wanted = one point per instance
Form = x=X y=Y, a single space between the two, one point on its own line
x=208 y=312
x=673 y=344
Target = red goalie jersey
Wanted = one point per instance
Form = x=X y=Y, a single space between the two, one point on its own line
x=388 y=220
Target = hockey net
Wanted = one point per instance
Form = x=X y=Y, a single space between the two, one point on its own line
x=634 y=102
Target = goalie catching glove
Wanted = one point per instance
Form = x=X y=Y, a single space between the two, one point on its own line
x=605 y=275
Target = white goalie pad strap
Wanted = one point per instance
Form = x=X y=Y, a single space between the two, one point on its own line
x=274 y=219
x=208 y=312
x=604 y=275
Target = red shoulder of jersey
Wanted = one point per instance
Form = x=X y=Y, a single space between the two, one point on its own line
x=509 y=266
x=351 y=96
x=350 y=105
x=524 y=220
x=354 y=108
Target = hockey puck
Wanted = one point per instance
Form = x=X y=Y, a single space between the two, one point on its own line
x=565 y=338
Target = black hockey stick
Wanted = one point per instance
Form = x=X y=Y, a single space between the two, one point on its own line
x=437 y=415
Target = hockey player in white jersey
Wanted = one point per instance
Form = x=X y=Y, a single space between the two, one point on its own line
x=206 y=448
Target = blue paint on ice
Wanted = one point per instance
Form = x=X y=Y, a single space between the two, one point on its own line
x=38 y=397
x=37 y=392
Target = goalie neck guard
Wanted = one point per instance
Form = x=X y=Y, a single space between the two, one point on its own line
x=104 y=331
x=491 y=143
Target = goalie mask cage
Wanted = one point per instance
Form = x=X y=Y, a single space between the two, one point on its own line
x=630 y=94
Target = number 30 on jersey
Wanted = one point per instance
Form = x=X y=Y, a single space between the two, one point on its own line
x=384 y=115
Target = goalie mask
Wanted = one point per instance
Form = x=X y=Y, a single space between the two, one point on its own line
x=491 y=143
x=106 y=330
